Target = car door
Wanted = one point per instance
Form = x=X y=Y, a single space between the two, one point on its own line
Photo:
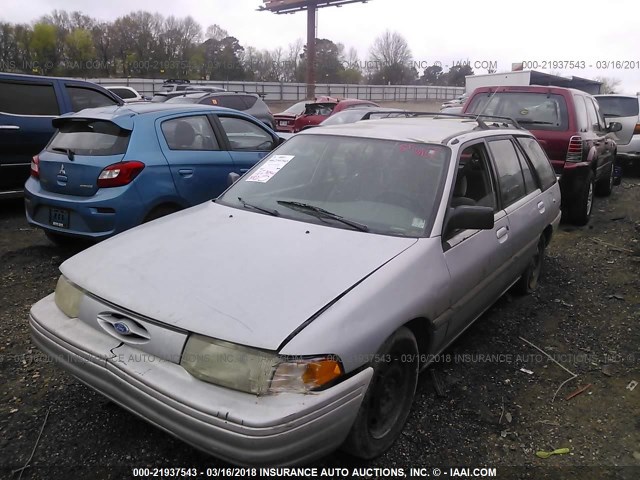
x=521 y=199
x=27 y=108
x=199 y=166
x=477 y=260
x=607 y=154
x=597 y=139
x=545 y=176
x=247 y=141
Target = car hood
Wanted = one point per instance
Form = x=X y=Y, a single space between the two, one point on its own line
x=230 y=274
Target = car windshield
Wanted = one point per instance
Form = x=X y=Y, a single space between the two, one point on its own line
x=388 y=187
x=296 y=109
x=618 y=106
x=535 y=111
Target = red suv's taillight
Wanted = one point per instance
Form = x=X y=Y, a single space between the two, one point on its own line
x=35 y=166
x=119 y=174
x=574 y=152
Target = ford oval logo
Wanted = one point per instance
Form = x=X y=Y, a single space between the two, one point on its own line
x=122 y=328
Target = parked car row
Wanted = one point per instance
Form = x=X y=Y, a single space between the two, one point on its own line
x=289 y=311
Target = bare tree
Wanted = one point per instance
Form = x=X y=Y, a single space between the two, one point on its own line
x=391 y=49
x=609 y=84
x=216 y=32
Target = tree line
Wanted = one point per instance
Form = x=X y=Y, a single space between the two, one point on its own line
x=144 y=44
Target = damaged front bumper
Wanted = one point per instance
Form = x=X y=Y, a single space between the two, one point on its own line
x=234 y=426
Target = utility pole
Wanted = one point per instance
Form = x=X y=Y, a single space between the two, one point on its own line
x=311 y=6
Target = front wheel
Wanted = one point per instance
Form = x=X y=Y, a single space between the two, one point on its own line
x=388 y=400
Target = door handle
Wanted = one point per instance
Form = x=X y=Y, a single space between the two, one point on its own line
x=541 y=207
x=185 y=172
x=502 y=234
x=9 y=127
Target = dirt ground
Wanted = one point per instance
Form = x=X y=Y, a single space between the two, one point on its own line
x=496 y=407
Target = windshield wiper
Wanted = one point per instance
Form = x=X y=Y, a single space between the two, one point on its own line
x=322 y=213
x=270 y=211
x=68 y=151
x=524 y=120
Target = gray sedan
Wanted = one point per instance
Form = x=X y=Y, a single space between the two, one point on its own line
x=292 y=315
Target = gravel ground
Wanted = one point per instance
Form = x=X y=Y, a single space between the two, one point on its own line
x=490 y=413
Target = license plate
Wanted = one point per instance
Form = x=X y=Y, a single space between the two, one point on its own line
x=59 y=217
x=283 y=123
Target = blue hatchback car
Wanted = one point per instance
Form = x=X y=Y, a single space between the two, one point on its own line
x=109 y=169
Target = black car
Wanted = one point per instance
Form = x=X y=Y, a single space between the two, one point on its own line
x=28 y=104
x=250 y=103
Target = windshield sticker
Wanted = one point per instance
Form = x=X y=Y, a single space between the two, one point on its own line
x=270 y=168
x=418 y=150
x=418 y=222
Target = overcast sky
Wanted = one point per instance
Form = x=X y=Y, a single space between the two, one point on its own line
x=445 y=31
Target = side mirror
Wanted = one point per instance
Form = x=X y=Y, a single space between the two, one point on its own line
x=232 y=178
x=470 y=217
x=614 y=127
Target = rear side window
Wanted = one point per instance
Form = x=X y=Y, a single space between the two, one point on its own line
x=535 y=111
x=594 y=121
x=123 y=92
x=28 y=99
x=189 y=133
x=509 y=172
x=250 y=100
x=229 y=101
x=90 y=137
x=82 y=98
x=539 y=160
x=618 y=106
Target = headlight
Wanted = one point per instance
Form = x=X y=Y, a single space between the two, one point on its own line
x=255 y=371
x=68 y=297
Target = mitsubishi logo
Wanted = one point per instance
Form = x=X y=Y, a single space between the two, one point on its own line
x=62 y=172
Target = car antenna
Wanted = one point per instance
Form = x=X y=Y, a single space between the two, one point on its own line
x=487 y=104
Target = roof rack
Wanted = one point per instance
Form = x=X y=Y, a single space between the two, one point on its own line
x=480 y=119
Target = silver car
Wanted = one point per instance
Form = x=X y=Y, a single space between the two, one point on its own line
x=292 y=315
x=626 y=110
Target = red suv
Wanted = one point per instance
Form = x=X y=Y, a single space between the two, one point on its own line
x=569 y=126
x=316 y=112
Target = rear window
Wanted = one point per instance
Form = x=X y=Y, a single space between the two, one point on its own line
x=90 y=137
x=250 y=100
x=319 y=108
x=618 y=106
x=28 y=99
x=535 y=111
x=82 y=98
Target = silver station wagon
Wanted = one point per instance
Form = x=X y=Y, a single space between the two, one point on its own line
x=292 y=315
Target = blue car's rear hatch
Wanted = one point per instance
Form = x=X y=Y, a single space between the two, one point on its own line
x=80 y=149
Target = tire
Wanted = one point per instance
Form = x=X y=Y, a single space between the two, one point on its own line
x=388 y=400
x=580 y=208
x=528 y=282
x=605 y=185
x=160 y=211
